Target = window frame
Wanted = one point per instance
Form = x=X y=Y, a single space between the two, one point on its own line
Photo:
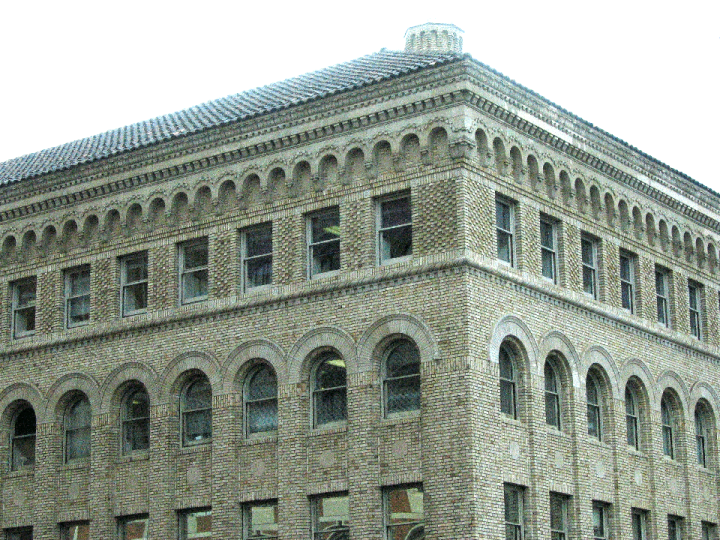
x=388 y=525
x=662 y=296
x=627 y=283
x=518 y=527
x=508 y=386
x=72 y=277
x=183 y=522
x=130 y=423
x=16 y=439
x=507 y=233
x=553 y=396
x=382 y=231
x=66 y=529
x=388 y=382
x=601 y=509
x=708 y=530
x=695 y=311
x=313 y=267
x=701 y=436
x=632 y=417
x=85 y=430
x=17 y=308
x=667 y=421
x=315 y=509
x=247 y=520
x=590 y=269
x=122 y=523
x=186 y=412
x=248 y=260
x=184 y=272
x=18 y=533
x=549 y=252
x=322 y=358
x=676 y=527
x=594 y=409
x=562 y=533
x=249 y=403
x=639 y=523
x=126 y=285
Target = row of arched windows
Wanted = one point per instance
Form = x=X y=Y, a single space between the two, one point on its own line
x=328 y=383
x=636 y=407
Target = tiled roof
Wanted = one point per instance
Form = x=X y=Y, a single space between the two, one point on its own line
x=318 y=84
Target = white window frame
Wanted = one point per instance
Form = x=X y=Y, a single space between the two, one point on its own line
x=508 y=385
x=72 y=276
x=250 y=405
x=313 y=270
x=701 y=436
x=84 y=431
x=662 y=295
x=391 y=382
x=124 y=521
x=185 y=273
x=590 y=268
x=632 y=418
x=127 y=285
x=132 y=423
x=507 y=233
x=183 y=525
x=563 y=532
x=186 y=412
x=19 y=441
x=248 y=533
x=549 y=252
x=26 y=310
x=417 y=527
x=382 y=232
x=601 y=510
x=676 y=527
x=552 y=396
x=639 y=524
x=248 y=260
x=627 y=282
x=69 y=531
x=343 y=525
x=594 y=409
x=517 y=526
x=319 y=393
x=695 y=309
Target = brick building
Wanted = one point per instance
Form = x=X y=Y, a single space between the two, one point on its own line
x=399 y=298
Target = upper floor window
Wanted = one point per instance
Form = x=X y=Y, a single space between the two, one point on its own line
x=514 y=512
x=133 y=527
x=594 y=406
x=257 y=256
x=193 y=264
x=508 y=383
x=675 y=528
x=394 y=226
x=134 y=284
x=23 y=307
x=135 y=415
x=260 y=521
x=196 y=411
x=505 y=228
x=662 y=293
x=261 y=407
x=78 y=530
x=632 y=418
x=703 y=431
x=77 y=296
x=77 y=429
x=401 y=380
x=627 y=281
x=559 y=522
x=601 y=521
x=329 y=390
x=694 y=308
x=331 y=517
x=196 y=524
x=552 y=396
x=23 y=439
x=668 y=426
x=548 y=249
x=404 y=513
x=708 y=531
x=639 y=524
x=589 y=249
x=323 y=242
x=24 y=533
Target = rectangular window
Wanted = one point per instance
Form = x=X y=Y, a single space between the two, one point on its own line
x=514 y=512
x=404 y=512
x=505 y=225
x=77 y=296
x=134 y=284
x=627 y=281
x=257 y=256
x=662 y=293
x=25 y=533
x=79 y=530
x=559 y=524
x=589 y=249
x=323 y=233
x=196 y=524
x=260 y=521
x=675 y=528
x=601 y=521
x=708 y=531
x=695 y=308
x=193 y=263
x=394 y=226
x=133 y=528
x=330 y=517
x=639 y=524
x=23 y=307
x=548 y=249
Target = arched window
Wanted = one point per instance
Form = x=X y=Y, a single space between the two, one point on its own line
x=703 y=430
x=668 y=427
x=135 y=414
x=261 y=401
x=329 y=390
x=23 y=439
x=77 y=429
x=508 y=386
x=196 y=411
x=632 y=418
x=552 y=396
x=401 y=378
x=594 y=407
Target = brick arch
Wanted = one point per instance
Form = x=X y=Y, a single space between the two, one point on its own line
x=702 y=390
x=600 y=356
x=514 y=328
x=300 y=357
x=557 y=342
x=64 y=387
x=375 y=337
x=170 y=379
x=233 y=369
x=636 y=368
x=669 y=379
x=16 y=393
x=130 y=371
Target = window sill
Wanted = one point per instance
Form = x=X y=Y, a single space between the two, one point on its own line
x=595 y=442
x=707 y=471
x=555 y=432
x=131 y=457
x=400 y=418
x=205 y=446
x=193 y=301
x=634 y=452
x=76 y=464
x=512 y=421
x=323 y=275
x=396 y=260
x=260 y=438
x=27 y=472
x=329 y=429
x=671 y=461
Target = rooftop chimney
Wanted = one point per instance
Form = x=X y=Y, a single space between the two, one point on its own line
x=433 y=38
